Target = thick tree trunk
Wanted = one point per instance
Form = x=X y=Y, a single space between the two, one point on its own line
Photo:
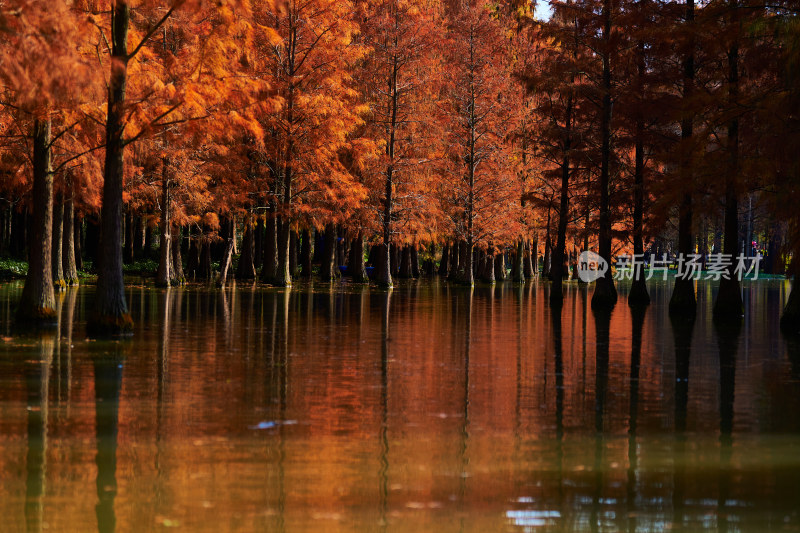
x=468 y=275
x=68 y=242
x=305 y=254
x=111 y=309
x=58 y=230
x=38 y=302
x=405 y=263
x=517 y=266
x=164 y=272
x=395 y=259
x=500 y=267
x=488 y=268
x=383 y=275
x=246 y=269
x=443 y=264
x=356 y=267
x=327 y=270
x=269 y=268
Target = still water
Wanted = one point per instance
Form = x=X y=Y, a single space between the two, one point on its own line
x=428 y=408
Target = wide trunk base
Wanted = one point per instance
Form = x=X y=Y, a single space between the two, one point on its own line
x=638 y=296
x=107 y=325
x=729 y=304
x=605 y=294
x=683 y=301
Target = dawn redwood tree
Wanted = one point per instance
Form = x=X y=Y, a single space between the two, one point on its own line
x=481 y=172
x=43 y=81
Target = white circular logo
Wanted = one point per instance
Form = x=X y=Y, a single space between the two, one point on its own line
x=591 y=266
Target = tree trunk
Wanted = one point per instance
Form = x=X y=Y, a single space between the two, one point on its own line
x=246 y=269
x=638 y=294
x=305 y=254
x=500 y=267
x=293 y=244
x=547 y=259
x=130 y=232
x=517 y=266
x=790 y=321
x=414 y=261
x=164 y=272
x=356 y=267
x=395 y=260
x=37 y=303
x=269 y=269
x=111 y=310
x=443 y=264
x=405 y=263
x=605 y=293
x=683 y=301
x=468 y=275
x=193 y=261
x=383 y=274
x=227 y=258
x=58 y=230
x=729 y=305
x=327 y=270
x=68 y=241
x=78 y=248
x=283 y=276
x=258 y=241
x=488 y=268
x=204 y=271
x=178 y=277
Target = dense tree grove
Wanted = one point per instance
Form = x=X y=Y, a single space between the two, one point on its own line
x=389 y=139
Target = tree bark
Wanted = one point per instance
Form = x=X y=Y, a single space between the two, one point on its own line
x=500 y=267
x=283 y=276
x=405 y=263
x=683 y=301
x=164 y=272
x=605 y=293
x=328 y=269
x=414 y=261
x=246 y=269
x=269 y=269
x=37 y=304
x=78 y=248
x=638 y=294
x=58 y=230
x=443 y=264
x=178 y=277
x=68 y=239
x=305 y=254
x=111 y=310
x=517 y=266
x=356 y=267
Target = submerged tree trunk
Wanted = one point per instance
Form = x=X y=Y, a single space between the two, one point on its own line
x=246 y=269
x=164 y=272
x=283 y=277
x=517 y=267
x=111 y=310
x=38 y=301
x=443 y=264
x=68 y=238
x=328 y=269
x=305 y=254
x=356 y=267
x=269 y=269
x=58 y=230
x=227 y=258
x=729 y=303
x=500 y=267
x=383 y=275
x=683 y=301
x=638 y=294
x=178 y=277
x=605 y=293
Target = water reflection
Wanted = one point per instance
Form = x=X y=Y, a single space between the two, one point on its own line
x=107 y=385
x=330 y=407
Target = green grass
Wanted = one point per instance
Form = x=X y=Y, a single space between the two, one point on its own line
x=13 y=269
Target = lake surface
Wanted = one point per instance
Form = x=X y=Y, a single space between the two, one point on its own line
x=427 y=408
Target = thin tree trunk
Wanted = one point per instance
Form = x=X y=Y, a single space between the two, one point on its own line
x=328 y=269
x=605 y=293
x=683 y=301
x=164 y=272
x=443 y=264
x=500 y=267
x=68 y=239
x=38 y=302
x=293 y=244
x=58 y=230
x=283 y=276
x=638 y=294
x=227 y=258
x=78 y=248
x=517 y=266
x=258 y=239
x=414 y=261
